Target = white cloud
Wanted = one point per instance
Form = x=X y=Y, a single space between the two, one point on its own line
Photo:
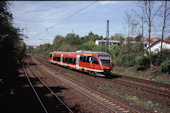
x=37 y=41
x=32 y=33
x=108 y=2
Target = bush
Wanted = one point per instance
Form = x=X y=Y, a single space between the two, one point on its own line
x=142 y=63
x=157 y=59
x=166 y=54
x=128 y=60
x=165 y=67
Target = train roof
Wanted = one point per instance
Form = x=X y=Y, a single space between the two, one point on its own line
x=80 y=51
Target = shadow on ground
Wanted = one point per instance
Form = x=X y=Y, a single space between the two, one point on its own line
x=16 y=96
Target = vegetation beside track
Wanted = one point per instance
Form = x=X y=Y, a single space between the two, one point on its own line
x=131 y=58
x=150 y=74
x=133 y=99
x=12 y=50
x=118 y=90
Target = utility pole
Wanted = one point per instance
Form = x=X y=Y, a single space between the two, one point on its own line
x=107 y=37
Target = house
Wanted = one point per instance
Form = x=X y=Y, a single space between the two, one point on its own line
x=145 y=41
x=155 y=47
x=103 y=42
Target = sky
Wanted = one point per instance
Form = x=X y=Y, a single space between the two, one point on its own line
x=41 y=21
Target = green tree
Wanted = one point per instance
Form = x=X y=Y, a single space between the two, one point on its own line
x=96 y=37
x=11 y=44
x=57 y=39
x=117 y=36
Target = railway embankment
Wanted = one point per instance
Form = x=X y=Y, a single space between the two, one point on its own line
x=137 y=93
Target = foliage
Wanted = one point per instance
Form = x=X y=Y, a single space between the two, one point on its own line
x=157 y=58
x=165 y=67
x=128 y=60
x=125 y=55
x=96 y=37
x=11 y=44
x=138 y=38
x=70 y=43
x=117 y=36
x=142 y=63
x=92 y=47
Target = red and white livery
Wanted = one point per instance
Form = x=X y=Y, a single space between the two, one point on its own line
x=92 y=62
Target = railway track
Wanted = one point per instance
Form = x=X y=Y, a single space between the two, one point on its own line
x=108 y=104
x=61 y=105
x=159 y=92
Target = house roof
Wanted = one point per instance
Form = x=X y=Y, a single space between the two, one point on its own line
x=146 y=38
x=166 y=41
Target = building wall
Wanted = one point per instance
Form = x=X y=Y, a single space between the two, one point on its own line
x=103 y=42
x=156 y=47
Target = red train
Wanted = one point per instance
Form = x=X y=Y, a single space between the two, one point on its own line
x=88 y=61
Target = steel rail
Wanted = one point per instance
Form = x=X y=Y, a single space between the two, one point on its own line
x=89 y=89
x=149 y=90
x=34 y=90
x=70 y=111
x=96 y=92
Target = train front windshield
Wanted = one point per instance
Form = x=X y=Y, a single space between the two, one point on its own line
x=105 y=60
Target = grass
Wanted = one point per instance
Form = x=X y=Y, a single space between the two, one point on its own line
x=127 y=74
x=74 y=76
x=137 y=75
x=71 y=75
x=116 y=72
x=162 y=80
x=132 y=75
x=147 y=104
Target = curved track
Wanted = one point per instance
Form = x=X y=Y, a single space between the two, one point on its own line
x=159 y=92
x=106 y=100
x=107 y=104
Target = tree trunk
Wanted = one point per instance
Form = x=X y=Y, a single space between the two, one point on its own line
x=149 y=18
x=163 y=26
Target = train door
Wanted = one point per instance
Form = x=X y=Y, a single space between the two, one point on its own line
x=52 y=58
x=61 y=59
x=77 y=61
x=90 y=61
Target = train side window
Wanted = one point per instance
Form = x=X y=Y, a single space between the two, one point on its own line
x=58 y=59
x=50 y=55
x=67 y=60
x=82 y=58
x=94 y=60
x=54 y=58
x=87 y=59
x=64 y=59
x=74 y=61
x=70 y=60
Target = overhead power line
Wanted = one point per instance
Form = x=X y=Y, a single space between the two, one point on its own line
x=69 y=16
x=73 y=14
